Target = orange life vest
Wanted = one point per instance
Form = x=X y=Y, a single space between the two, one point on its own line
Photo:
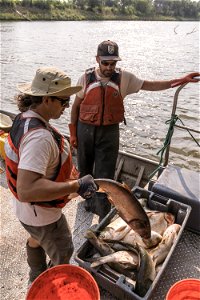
x=102 y=105
x=66 y=169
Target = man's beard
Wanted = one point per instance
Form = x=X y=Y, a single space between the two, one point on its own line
x=106 y=73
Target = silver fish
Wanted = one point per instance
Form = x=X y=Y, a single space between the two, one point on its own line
x=160 y=220
x=129 y=259
x=119 y=230
x=133 y=238
x=116 y=230
x=127 y=205
x=159 y=253
x=146 y=269
x=104 y=249
x=146 y=273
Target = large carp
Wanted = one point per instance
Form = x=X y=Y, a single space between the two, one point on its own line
x=159 y=253
x=104 y=249
x=116 y=230
x=127 y=205
x=129 y=259
x=119 y=230
x=159 y=221
x=146 y=272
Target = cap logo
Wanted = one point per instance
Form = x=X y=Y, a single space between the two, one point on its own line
x=111 y=49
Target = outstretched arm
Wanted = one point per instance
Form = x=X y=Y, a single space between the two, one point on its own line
x=163 y=85
x=156 y=85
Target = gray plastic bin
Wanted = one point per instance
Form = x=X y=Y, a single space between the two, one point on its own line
x=108 y=278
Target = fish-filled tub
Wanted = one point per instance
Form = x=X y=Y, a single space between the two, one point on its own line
x=123 y=263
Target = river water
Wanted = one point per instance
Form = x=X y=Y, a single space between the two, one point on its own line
x=151 y=50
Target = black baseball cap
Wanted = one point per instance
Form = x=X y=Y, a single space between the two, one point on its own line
x=108 y=50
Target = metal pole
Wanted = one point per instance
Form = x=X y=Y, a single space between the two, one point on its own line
x=187 y=128
x=172 y=115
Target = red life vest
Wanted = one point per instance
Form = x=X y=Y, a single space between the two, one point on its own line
x=102 y=105
x=66 y=169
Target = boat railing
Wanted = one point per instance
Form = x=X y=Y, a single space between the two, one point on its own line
x=165 y=150
x=173 y=124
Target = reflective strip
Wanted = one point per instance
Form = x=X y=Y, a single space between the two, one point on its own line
x=26 y=125
x=113 y=85
x=97 y=84
x=93 y=86
x=65 y=152
x=10 y=153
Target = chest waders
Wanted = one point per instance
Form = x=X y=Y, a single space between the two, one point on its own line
x=98 y=147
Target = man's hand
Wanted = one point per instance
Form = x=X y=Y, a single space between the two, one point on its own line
x=186 y=79
x=73 y=135
x=87 y=187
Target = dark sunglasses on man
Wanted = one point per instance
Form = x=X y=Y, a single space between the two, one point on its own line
x=64 y=101
x=107 y=63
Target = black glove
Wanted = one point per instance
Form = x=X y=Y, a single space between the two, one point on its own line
x=87 y=187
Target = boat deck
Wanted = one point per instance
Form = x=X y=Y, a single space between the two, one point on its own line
x=184 y=262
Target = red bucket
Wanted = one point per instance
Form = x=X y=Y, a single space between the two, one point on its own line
x=184 y=290
x=64 y=282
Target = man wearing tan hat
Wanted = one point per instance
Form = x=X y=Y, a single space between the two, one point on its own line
x=39 y=169
x=97 y=111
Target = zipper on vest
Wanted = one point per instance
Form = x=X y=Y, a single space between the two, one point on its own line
x=103 y=102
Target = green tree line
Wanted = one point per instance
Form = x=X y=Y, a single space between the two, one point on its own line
x=185 y=9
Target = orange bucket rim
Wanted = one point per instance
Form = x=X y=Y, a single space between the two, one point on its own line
x=68 y=267
x=183 y=282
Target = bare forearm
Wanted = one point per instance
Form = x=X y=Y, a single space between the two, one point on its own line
x=166 y=84
x=45 y=190
x=156 y=85
x=75 y=110
x=74 y=115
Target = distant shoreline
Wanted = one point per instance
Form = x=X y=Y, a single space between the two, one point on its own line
x=13 y=19
x=21 y=13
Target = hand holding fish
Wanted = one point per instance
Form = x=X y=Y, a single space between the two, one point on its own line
x=87 y=187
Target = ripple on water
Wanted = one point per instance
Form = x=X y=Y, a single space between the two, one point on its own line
x=71 y=46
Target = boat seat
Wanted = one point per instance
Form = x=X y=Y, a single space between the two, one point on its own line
x=183 y=186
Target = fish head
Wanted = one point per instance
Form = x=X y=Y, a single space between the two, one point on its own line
x=105 y=235
x=142 y=227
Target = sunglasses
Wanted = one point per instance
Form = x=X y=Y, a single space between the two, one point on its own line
x=64 y=102
x=106 y=63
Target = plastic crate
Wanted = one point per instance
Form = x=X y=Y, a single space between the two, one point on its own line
x=110 y=280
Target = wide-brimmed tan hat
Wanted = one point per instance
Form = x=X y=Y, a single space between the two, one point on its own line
x=5 y=122
x=49 y=81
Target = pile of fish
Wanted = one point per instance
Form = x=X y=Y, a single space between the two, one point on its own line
x=127 y=252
